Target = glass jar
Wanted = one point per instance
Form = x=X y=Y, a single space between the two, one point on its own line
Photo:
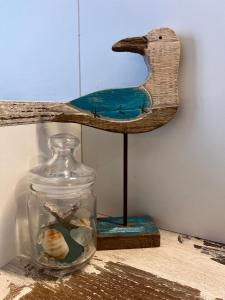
x=62 y=209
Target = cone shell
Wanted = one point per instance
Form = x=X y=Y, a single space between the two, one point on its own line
x=54 y=244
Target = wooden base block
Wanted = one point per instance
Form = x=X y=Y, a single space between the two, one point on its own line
x=141 y=232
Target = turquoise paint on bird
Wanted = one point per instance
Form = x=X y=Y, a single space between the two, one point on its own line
x=112 y=226
x=119 y=104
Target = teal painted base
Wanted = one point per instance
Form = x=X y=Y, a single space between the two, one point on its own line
x=141 y=232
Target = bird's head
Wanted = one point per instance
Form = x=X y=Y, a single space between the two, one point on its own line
x=142 y=44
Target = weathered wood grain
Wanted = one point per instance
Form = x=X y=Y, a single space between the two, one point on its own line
x=19 y=113
x=215 y=251
x=176 y=270
x=161 y=49
x=16 y=113
x=114 y=281
x=129 y=242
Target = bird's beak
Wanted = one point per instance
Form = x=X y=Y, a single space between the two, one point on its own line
x=134 y=44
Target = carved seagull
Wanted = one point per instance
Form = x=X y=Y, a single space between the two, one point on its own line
x=125 y=110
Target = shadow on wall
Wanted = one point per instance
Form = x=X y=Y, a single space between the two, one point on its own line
x=21 y=197
x=157 y=159
x=43 y=153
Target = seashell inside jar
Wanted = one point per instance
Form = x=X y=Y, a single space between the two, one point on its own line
x=54 y=244
x=68 y=240
x=62 y=210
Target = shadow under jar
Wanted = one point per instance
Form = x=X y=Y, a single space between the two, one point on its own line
x=62 y=210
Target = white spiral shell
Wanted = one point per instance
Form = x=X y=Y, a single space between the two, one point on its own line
x=54 y=244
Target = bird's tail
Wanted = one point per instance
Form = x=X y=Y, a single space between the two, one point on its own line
x=16 y=113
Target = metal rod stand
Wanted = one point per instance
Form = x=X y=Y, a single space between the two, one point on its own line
x=125 y=177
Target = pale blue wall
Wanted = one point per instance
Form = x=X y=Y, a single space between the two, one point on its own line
x=39 y=49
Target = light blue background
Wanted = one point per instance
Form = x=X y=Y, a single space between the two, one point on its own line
x=39 y=49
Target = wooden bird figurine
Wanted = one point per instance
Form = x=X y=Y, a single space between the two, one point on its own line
x=125 y=110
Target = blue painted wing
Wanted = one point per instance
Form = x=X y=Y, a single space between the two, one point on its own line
x=117 y=104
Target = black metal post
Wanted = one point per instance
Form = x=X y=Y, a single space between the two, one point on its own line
x=125 y=177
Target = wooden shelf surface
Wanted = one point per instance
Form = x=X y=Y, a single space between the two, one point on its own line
x=182 y=268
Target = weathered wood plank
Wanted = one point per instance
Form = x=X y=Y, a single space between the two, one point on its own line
x=19 y=113
x=16 y=113
x=215 y=251
x=114 y=281
x=176 y=270
x=128 y=242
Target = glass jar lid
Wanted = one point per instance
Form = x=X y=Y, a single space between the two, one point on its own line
x=62 y=173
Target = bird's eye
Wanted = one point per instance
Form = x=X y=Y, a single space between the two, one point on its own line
x=160 y=37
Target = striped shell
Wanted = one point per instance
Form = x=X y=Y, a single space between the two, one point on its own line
x=54 y=244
